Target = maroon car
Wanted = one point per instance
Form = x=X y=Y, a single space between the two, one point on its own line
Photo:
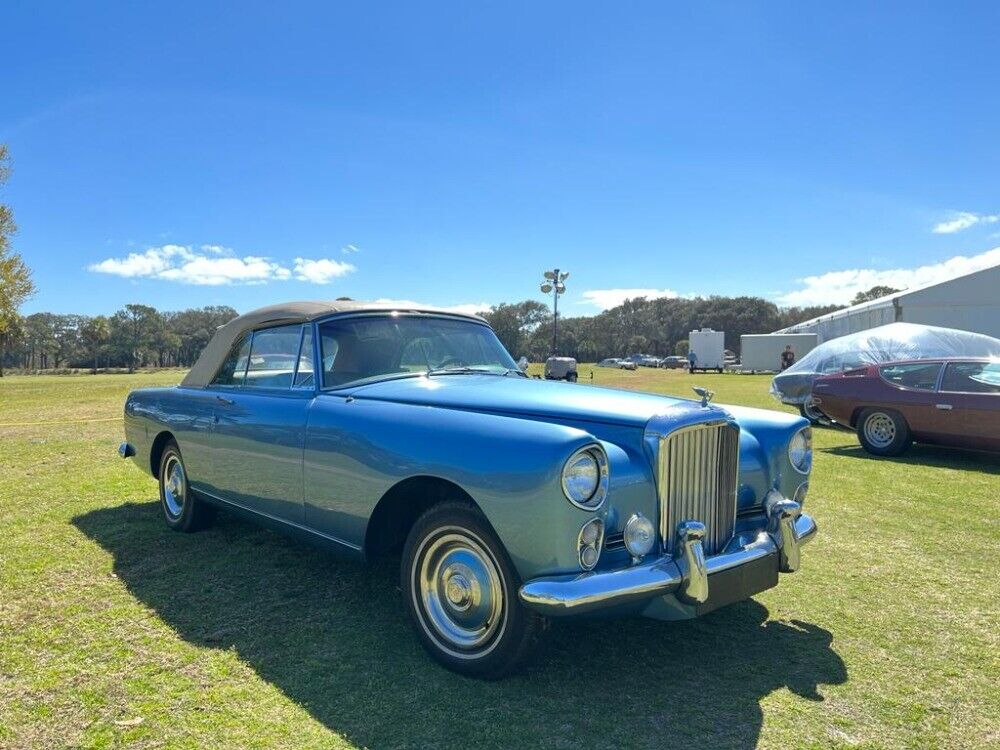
x=943 y=401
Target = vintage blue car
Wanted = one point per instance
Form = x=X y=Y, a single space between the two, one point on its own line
x=375 y=430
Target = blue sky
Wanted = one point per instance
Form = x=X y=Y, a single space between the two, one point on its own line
x=196 y=154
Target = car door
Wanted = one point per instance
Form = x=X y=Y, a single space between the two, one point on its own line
x=969 y=403
x=260 y=420
x=911 y=392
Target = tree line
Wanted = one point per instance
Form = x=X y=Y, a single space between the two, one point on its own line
x=639 y=326
x=135 y=336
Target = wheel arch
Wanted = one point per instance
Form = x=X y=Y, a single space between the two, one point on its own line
x=402 y=504
x=156 y=450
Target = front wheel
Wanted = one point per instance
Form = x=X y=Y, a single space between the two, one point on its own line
x=883 y=432
x=572 y=377
x=462 y=593
x=181 y=509
x=811 y=413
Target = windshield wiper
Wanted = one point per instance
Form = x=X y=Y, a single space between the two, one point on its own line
x=462 y=370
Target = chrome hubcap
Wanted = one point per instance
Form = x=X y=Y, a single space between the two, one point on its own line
x=174 y=487
x=458 y=592
x=880 y=430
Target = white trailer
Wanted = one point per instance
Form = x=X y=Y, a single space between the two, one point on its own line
x=762 y=352
x=709 y=349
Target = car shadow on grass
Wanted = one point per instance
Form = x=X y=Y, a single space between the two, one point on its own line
x=928 y=455
x=332 y=636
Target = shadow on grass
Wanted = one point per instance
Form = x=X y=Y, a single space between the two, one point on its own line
x=928 y=455
x=333 y=637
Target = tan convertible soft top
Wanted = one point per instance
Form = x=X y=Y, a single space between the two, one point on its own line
x=218 y=347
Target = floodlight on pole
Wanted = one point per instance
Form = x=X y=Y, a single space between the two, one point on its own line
x=554 y=284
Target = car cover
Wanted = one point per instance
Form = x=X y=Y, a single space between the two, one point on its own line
x=883 y=344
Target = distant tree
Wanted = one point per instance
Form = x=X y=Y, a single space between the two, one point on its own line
x=875 y=292
x=513 y=323
x=95 y=334
x=638 y=344
x=681 y=348
x=133 y=333
x=15 y=277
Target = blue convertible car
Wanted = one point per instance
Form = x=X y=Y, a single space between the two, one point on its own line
x=371 y=430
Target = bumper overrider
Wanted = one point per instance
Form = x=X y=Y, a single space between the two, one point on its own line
x=687 y=574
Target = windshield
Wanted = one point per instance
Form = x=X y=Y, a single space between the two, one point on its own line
x=375 y=347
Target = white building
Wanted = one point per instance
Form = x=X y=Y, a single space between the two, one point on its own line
x=968 y=303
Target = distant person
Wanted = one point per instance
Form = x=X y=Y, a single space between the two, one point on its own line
x=692 y=361
x=787 y=357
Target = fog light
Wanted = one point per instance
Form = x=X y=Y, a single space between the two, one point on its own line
x=800 y=493
x=639 y=535
x=589 y=543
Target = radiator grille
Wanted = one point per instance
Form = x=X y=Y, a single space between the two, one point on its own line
x=698 y=471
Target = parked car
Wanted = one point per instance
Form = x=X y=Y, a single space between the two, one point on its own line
x=627 y=364
x=674 y=363
x=411 y=430
x=649 y=362
x=889 y=343
x=561 y=368
x=946 y=402
x=610 y=362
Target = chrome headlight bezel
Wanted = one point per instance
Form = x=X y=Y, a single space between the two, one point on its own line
x=596 y=498
x=800 y=451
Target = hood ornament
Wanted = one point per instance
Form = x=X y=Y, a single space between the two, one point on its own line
x=706 y=395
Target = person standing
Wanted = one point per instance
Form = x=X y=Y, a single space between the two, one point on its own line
x=787 y=357
x=692 y=361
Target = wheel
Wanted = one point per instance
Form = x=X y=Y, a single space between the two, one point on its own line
x=811 y=413
x=572 y=377
x=461 y=593
x=883 y=432
x=181 y=509
x=718 y=370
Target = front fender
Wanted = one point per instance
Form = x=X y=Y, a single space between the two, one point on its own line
x=764 y=463
x=357 y=449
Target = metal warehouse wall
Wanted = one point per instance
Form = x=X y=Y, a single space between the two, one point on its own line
x=968 y=303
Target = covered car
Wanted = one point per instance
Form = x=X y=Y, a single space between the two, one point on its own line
x=889 y=343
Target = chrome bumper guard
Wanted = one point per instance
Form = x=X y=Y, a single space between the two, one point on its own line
x=686 y=574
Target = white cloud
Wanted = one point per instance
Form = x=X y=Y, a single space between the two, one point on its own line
x=215 y=265
x=839 y=287
x=605 y=299
x=963 y=220
x=349 y=249
x=469 y=308
x=321 y=271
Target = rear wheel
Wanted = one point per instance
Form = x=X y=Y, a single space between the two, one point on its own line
x=883 y=432
x=462 y=593
x=572 y=377
x=181 y=509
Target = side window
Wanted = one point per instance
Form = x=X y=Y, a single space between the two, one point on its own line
x=274 y=353
x=972 y=377
x=922 y=375
x=235 y=365
x=304 y=373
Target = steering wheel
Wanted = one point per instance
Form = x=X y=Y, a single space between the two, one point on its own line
x=451 y=361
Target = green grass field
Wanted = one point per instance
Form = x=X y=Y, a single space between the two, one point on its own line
x=116 y=632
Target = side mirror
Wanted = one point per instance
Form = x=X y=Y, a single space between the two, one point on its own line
x=522 y=364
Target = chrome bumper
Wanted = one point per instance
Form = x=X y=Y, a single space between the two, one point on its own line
x=687 y=574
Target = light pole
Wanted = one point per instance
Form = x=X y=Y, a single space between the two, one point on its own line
x=555 y=282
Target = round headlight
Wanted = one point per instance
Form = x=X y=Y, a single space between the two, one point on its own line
x=800 y=450
x=639 y=535
x=585 y=478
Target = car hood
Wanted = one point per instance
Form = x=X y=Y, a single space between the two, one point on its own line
x=522 y=397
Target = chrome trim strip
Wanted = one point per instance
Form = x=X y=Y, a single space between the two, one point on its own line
x=573 y=594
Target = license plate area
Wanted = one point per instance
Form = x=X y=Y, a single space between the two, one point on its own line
x=741 y=582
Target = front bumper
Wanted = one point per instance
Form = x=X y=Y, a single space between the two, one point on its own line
x=687 y=574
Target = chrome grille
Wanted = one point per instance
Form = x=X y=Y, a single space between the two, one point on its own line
x=697 y=476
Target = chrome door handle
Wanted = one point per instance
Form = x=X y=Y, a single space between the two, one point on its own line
x=943 y=407
x=230 y=402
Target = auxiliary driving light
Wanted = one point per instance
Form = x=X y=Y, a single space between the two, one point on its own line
x=589 y=543
x=639 y=535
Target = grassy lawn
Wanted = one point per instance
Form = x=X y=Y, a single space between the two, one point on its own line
x=117 y=632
